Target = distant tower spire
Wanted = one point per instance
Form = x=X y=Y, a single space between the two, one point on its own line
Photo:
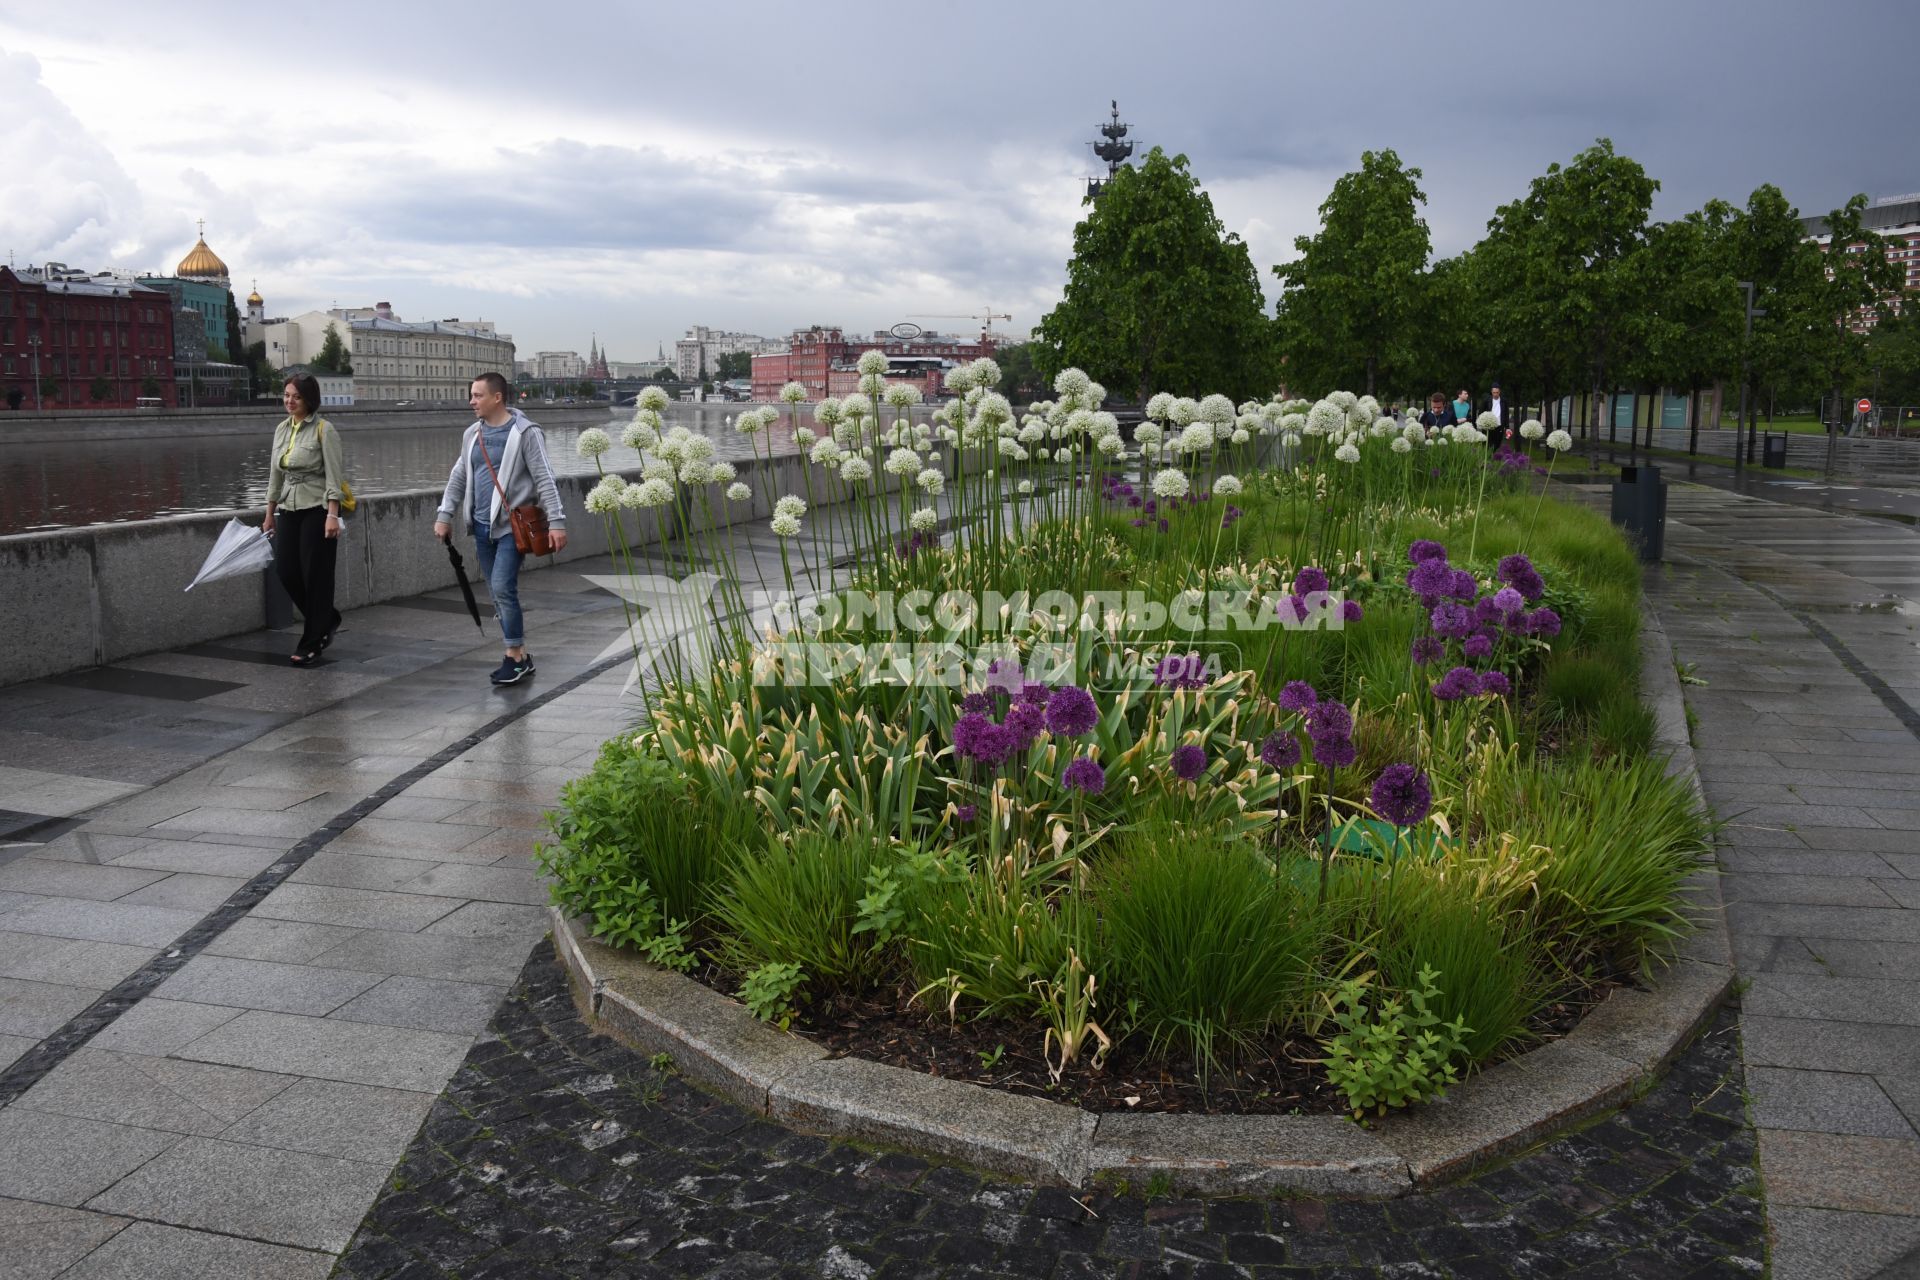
x=1114 y=150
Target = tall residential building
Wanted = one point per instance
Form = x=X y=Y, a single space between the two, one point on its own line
x=559 y=366
x=1896 y=220
x=73 y=341
x=700 y=351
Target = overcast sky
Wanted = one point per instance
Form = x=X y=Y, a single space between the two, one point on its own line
x=629 y=170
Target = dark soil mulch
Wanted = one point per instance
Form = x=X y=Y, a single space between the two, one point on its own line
x=1273 y=1076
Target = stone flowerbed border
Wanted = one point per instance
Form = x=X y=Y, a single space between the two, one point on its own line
x=1611 y=1057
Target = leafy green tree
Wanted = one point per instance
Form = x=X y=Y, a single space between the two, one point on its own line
x=1857 y=278
x=100 y=389
x=1020 y=377
x=235 y=343
x=150 y=386
x=1893 y=352
x=1160 y=296
x=333 y=356
x=1689 y=330
x=667 y=374
x=734 y=364
x=1349 y=304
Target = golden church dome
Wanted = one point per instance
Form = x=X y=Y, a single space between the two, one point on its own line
x=201 y=263
x=255 y=300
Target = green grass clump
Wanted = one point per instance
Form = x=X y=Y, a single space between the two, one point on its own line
x=798 y=902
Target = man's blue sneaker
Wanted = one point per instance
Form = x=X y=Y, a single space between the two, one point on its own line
x=513 y=670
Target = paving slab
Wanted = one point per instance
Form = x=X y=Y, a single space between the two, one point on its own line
x=1832 y=1244
x=1795 y=995
x=67 y=961
x=357 y=908
x=40 y=1241
x=151 y=1092
x=201 y=857
x=1825 y=1102
x=285 y=941
x=424 y=955
x=482 y=884
x=38 y=1009
x=286 y=1197
x=492 y=920
x=1841 y=1171
x=427 y=1003
x=11 y=1047
x=64 y=1160
x=99 y=921
x=187 y=891
x=331 y=1049
x=264 y=984
x=329 y=1118
x=357 y=871
x=55 y=879
x=159 y=1026
x=150 y=1251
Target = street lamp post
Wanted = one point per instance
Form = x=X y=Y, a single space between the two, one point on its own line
x=33 y=341
x=1742 y=423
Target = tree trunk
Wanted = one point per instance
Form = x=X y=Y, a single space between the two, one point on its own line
x=1372 y=363
x=1693 y=414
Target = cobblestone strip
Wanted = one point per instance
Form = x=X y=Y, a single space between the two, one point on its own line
x=555 y=1152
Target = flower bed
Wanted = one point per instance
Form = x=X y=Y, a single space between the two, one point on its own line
x=1304 y=771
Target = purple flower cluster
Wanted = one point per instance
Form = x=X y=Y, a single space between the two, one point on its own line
x=908 y=548
x=1518 y=572
x=1458 y=612
x=1233 y=514
x=1280 y=751
x=1189 y=762
x=1179 y=671
x=1085 y=774
x=1465 y=682
x=1330 y=727
x=1402 y=795
x=1510 y=460
x=1066 y=712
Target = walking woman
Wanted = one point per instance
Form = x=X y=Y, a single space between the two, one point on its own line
x=502 y=464
x=306 y=481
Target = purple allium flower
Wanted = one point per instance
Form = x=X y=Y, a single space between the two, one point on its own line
x=1071 y=712
x=1428 y=650
x=978 y=704
x=1085 y=774
x=966 y=813
x=1461 y=682
x=993 y=744
x=1464 y=587
x=1280 y=751
x=1294 y=607
x=1298 y=695
x=1424 y=549
x=1035 y=693
x=1329 y=719
x=1139 y=524
x=1518 y=572
x=1477 y=646
x=1180 y=671
x=1451 y=621
x=1163 y=526
x=1335 y=753
x=1350 y=611
x=1004 y=676
x=1310 y=580
x=966 y=732
x=1544 y=622
x=1485 y=613
x=1189 y=762
x=1430 y=579
x=1495 y=683
x=1506 y=600
x=1025 y=722
x=1402 y=795
x=1152 y=507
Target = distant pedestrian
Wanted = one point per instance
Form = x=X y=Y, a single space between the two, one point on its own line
x=306 y=483
x=1439 y=413
x=1462 y=406
x=1503 y=427
x=503 y=455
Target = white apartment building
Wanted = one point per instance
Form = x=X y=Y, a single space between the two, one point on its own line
x=705 y=346
x=394 y=359
x=559 y=366
x=1896 y=220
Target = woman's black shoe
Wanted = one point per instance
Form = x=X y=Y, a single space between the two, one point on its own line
x=308 y=658
x=327 y=639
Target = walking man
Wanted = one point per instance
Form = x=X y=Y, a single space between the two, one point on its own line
x=1503 y=429
x=503 y=458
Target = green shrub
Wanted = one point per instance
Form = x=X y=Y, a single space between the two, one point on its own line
x=769 y=990
x=1204 y=943
x=799 y=903
x=983 y=939
x=1575 y=686
x=1390 y=1053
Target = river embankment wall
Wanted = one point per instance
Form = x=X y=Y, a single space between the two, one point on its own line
x=27 y=427
x=84 y=597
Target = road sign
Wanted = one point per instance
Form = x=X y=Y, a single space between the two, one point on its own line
x=1865 y=406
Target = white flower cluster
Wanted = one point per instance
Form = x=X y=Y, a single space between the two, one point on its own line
x=593 y=442
x=793 y=393
x=1531 y=429
x=1559 y=441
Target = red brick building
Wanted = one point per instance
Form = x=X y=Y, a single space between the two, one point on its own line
x=823 y=360
x=91 y=342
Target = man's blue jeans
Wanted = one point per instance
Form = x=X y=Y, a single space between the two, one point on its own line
x=500 y=565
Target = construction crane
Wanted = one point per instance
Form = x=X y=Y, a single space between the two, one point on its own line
x=986 y=318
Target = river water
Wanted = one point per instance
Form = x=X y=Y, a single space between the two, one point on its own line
x=53 y=486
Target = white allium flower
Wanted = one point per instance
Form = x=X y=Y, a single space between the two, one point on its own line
x=872 y=384
x=856 y=468
x=1158 y=404
x=902 y=462
x=902 y=394
x=855 y=405
x=1147 y=434
x=933 y=480
x=1401 y=445
x=986 y=373
x=1559 y=441
x=1382 y=428
x=738 y=491
x=639 y=437
x=1032 y=433
x=790 y=506
x=1182 y=411
x=721 y=472
x=1170 y=483
x=803 y=437
x=827 y=412
x=1024 y=487
x=872 y=362
x=960 y=379
x=1359 y=419
x=1227 y=486
x=1239 y=436
x=656 y=492
x=1413 y=432
x=657 y=469
x=1467 y=433
x=1096 y=393
x=1324 y=418
x=1108 y=446
x=1216 y=408
x=1071 y=382
x=1290 y=440
x=1197 y=438
x=1488 y=421
x=1369 y=404
x=593 y=442
x=824 y=453
x=793 y=393
x=652 y=398
x=603 y=498
x=634 y=496
x=748 y=423
x=1346 y=453
x=1293 y=423
x=1342 y=400
x=786 y=526
x=1531 y=429
x=694 y=471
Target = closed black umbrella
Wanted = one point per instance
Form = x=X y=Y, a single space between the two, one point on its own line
x=466 y=588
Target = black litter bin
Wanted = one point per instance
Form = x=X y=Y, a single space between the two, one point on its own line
x=1774 y=451
x=1640 y=508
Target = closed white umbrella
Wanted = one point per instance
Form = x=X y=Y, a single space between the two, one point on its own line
x=240 y=548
